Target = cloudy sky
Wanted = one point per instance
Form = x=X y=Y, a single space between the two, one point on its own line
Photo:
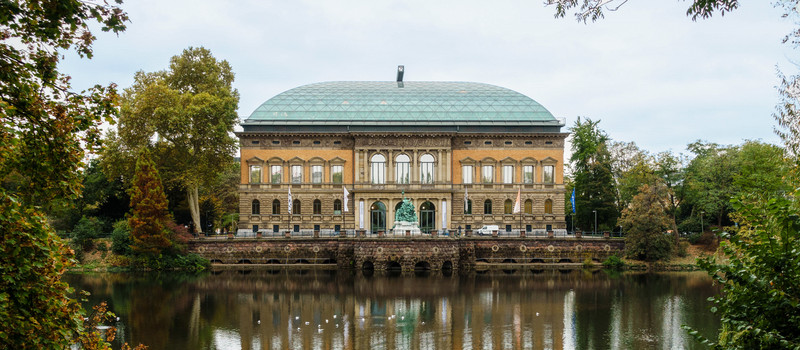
x=648 y=72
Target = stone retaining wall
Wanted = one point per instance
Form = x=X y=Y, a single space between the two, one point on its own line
x=405 y=254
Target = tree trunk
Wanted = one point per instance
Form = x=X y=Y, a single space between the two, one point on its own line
x=194 y=207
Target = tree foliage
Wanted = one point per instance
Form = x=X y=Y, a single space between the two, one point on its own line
x=149 y=216
x=45 y=128
x=594 y=9
x=760 y=301
x=185 y=115
x=593 y=178
x=645 y=222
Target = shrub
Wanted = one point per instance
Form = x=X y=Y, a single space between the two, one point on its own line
x=694 y=238
x=121 y=238
x=587 y=263
x=682 y=248
x=613 y=262
x=85 y=232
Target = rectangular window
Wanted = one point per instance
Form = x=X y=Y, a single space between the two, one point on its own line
x=337 y=174
x=488 y=174
x=316 y=174
x=297 y=174
x=403 y=172
x=378 y=172
x=508 y=174
x=255 y=174
x=466 y=174
x=527 y=174
x=276 y=174
x=548 y=174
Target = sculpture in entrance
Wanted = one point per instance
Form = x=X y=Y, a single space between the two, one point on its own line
x=405 y=219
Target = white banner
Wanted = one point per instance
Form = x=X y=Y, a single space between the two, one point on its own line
x=361 y=215
x=444 y=215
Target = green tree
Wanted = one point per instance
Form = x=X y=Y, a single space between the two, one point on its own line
x=593 y=178
x=710 y=179
x=45 y=129
x=185 y=115
x=149 y=216
x=759 y=305
x=645 y=221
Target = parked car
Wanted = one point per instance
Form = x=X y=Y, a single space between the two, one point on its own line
x=487 y=230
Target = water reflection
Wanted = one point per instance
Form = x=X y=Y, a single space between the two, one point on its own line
x=310 y=309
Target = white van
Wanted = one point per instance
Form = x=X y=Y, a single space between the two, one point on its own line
x=487 y=230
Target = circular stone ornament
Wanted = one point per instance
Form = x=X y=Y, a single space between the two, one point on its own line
x=201 y=249
x=407 y=250
x=607 y=247
x=578 y=247
x=379 y=250
x=258 y=249
x=495 y=248
x=287 y=248
x=550 y=248
x=229 y=250
x=435 y=250
x=315 y=249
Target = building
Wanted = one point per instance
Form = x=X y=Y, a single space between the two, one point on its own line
x=440 y=144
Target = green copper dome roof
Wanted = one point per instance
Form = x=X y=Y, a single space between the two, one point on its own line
x=382 y=102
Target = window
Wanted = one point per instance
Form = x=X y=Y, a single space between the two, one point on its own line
x=548 y=206
x=488 y=174
x=317 y=207
x=276 y=174
x=317 y=142
x=468 y=207
x=295 y=142
x=296 y=206
x=297 y=174
x=527 y=174
x=255 y=174
x=466 y=174
x=508 y=206
x=255 y=142
x=528 y=206
x=402 y=169
x=255 y=209
x=316 y=174
x=548 y=175
x=487 y=206
x=378 y=169
x=337 y=174
x=426 y=169
x=276 y=142
x=276 y=207
x=508 y=174
x=337 y=207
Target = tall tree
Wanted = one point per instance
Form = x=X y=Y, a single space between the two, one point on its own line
x=186 y=116
x=149 y=216
x=592 y=171
x=709 y=179
x=45 y=129
x=645 y=222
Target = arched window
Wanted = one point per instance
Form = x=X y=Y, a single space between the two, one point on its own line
x=296 y=207
x=426 y=169
x=402 y=168
x=487 y=206
x=378 y=169
x=256 y=207
x=377 y=216
x=337 y=207
x=276 y=207
x=528 y=206
x=468 y=207
x=317 y=206
x=548 y=206
x=508 y=206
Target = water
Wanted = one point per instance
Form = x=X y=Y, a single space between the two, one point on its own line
x=318 y=309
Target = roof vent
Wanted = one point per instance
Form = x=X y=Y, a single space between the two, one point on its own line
x=400 y=70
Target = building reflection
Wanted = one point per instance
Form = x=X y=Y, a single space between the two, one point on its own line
x=288 y=309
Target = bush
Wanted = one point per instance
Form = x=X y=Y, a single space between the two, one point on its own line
x=690 y=224
x=84 y=233
x=694 y=238
x=189 y=262
x=682 y=249
x=587 y=263
x=121 y=238
x=614 y=263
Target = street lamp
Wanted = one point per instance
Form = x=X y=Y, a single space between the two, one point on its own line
x=595 y=221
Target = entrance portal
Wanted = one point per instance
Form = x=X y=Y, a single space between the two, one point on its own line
x=427 y=217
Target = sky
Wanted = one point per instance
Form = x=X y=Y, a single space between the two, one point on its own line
x=647 y=71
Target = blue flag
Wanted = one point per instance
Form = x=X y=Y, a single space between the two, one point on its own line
x=572 y=200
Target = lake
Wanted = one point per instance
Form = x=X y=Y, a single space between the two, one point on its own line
x=326 y=309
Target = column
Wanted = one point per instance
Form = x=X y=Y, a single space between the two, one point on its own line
x=390 y=166
x=415 y=167
x=439 y=169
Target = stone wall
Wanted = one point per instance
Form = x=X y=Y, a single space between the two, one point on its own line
x=405 y=254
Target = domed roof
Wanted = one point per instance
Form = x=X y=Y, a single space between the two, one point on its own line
x=388 y=102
